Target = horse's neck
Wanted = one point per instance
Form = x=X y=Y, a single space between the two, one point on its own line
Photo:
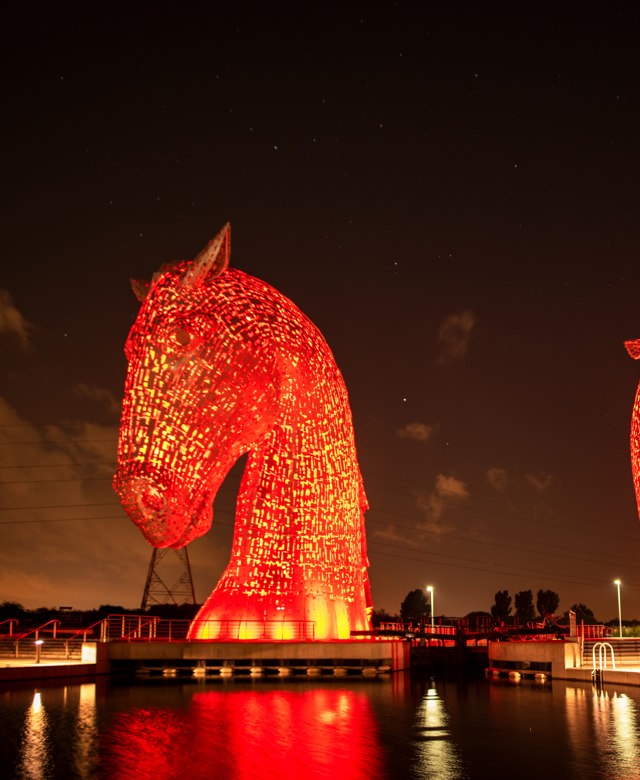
x=308 y=457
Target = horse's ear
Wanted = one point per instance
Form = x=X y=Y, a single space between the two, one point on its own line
x=140 y=288
x=212 y=261
x=633 y=348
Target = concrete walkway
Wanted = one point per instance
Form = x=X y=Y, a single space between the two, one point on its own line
x=621 y=675
x=12 y=669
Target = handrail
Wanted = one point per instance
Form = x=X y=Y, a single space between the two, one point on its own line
x=37 y=630
x=602 y=648
x=136 y=633
x=401 y=626
x=394 y=625
x=448 y=630
x=126 y=622
x=55 y=623
x=84 y=632
x=246 y=629
x=10 y=621
x=593 y=631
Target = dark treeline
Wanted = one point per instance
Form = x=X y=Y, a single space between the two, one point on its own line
x=32 y=618
x=523 y=610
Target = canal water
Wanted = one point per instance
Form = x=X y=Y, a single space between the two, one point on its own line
x=400 y=727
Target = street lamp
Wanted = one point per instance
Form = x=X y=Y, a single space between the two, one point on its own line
x=430 y=589
x=617 y=583
x=38 y=644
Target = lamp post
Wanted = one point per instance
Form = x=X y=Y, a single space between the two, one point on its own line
x=38 y=644
x=617 y=583
x=431 y=599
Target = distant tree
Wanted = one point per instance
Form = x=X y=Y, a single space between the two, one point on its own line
x=104 y=610
x=11 y=609
x=414 y=606
x=583 y=613
x=501 y=608
x=43 y=615
x=524 y=607
x=547 y=602
x=174 y=611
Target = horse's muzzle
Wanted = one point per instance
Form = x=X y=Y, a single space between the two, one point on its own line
x=145 y=503
x=163 y=516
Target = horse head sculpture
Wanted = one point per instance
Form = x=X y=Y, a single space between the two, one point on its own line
x=222 y=364
x=633 y=348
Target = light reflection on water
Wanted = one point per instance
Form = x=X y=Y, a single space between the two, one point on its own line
x=247 y=734
x=338 y=729
x=436 y=754
x=614 y=729
x=34 y=749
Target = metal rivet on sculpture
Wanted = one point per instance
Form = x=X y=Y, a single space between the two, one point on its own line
x=222 y=364
x=633 y=348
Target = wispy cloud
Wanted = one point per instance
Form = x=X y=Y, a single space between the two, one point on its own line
x=497 y=478
x=101 y=396
x=447 y=490
x=65 y=537
x=415 y=430
x=12 y=323
x=540 y=482
x=453 y=336
x=389 y=534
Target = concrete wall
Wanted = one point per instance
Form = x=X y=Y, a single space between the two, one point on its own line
x=96 y=653
x=394 y=654
x=554 y=651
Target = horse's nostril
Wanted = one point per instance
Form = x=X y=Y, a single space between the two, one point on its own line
x=151 y=501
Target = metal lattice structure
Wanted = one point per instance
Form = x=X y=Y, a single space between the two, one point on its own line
x=222 y=364
x=156 y=589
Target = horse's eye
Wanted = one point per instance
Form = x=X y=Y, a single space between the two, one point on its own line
x=182 y=337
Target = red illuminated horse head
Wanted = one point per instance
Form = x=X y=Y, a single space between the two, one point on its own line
x=221 y=364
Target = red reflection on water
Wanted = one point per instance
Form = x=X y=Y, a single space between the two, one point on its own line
x=249 y=735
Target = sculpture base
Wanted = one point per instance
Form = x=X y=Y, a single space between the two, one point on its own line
x=212 y=658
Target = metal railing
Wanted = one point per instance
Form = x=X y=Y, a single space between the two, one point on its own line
x=255 y=630
x=11 y=622
x=602 y=648
x=448 y=630
x=594 y=631
x=427 y=628
x=125 y=626
x=36 y=631
x=83 y=632
x=399 y=628
x=35 y=634
x=143 y=628
x=134 y=627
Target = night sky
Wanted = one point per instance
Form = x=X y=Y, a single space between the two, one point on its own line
x=450 y=194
